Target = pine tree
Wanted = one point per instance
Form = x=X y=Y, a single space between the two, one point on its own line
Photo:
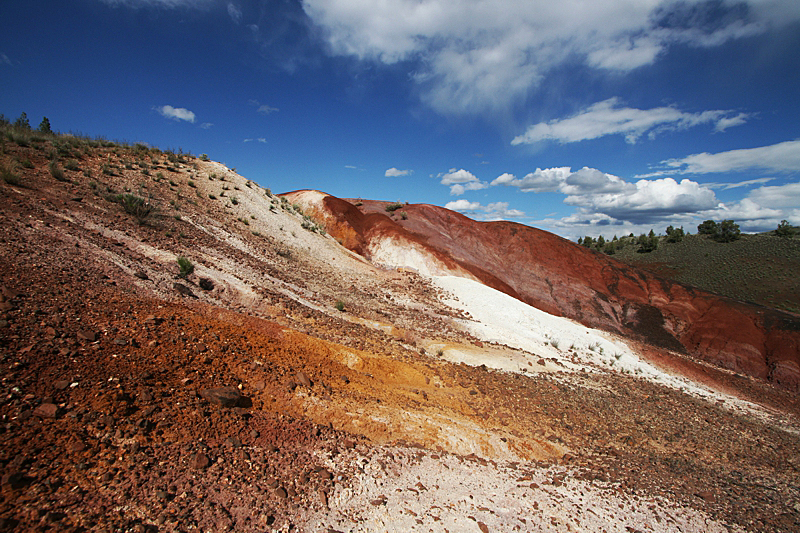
x=44 y=127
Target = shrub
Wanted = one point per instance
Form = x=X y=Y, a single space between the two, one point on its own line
x=22 y=122
x=72 y=165
x=234 y=200
x=391 y=208
x=709 y=227
x=784 y=229
x=26 y=163
x=186 y=267
x=44 y=126
x=9 y=176
x=203 y=157
x=728 y=231
x=137 y=206
x=340 y=305
x=191 y=184
x=57 y=172
x=675 y=235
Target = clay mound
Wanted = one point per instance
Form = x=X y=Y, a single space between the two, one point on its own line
x=564 y=279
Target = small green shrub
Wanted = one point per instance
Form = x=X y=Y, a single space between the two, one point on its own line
x=56 y=171
x=340 y=305
x=9 y=176
x=191 y=184
x=71 y=164
x=234 y=200
x=391 y=208
x=137 y=206
x=186 y=267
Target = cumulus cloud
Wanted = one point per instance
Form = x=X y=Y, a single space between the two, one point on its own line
x=461 y=181
x=492 y=211
x=396 y=173
x=176 y=113
x=601 y=193
x=781 y=157
x=472 y=56
x=648 y=200
x=609 y=117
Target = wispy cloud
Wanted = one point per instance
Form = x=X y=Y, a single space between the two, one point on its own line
x=609 y=117
x=4 y=60
x=176 y=113
x=206 y=125
x=259 y=139
x=781 y=157
x=235 y=12
x=396 y=173
x=475 y=56
x=264 y=109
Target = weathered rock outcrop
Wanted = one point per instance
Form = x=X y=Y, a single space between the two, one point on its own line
x=562 y=278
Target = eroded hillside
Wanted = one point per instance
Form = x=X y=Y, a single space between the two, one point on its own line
x=288 y=383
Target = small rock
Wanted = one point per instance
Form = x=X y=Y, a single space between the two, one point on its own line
x=183 y=289
x=76 y=446
x=281 y=493
x=483 y=527
x=85 y=335
x=201 y=461
x=302 y=379
x=141 y=274
x=47 y=410
x=223 y=396
x=61 y=384
x=206 y=284
x=259 y=385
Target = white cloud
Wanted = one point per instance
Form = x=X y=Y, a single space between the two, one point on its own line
x=461 y=181
x=266 y=110
x=235 y=12
x=396 y=173
x=610 y=118
x=259 y=139
x=648 y=200
x=206 y=125
x=787 y=196
x=492 y=211
x=471 y=56
x=4 y=60
x=781 y=157
x=457 y=176
x=463 y=205
x=728 y=122
x=738 y=184
x=176 y=113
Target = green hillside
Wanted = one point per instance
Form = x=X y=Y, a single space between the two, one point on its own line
x=762 y=268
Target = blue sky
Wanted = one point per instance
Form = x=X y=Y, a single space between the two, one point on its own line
x=578 y=117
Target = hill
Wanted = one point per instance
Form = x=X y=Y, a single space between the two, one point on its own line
x=277 y=379
x=755 y=268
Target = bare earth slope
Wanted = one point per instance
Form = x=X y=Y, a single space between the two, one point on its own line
x=562 y=278
x=241 y=398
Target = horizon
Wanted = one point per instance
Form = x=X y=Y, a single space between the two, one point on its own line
x=602 y=121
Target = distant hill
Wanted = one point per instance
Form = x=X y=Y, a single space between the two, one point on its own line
x=760 y=269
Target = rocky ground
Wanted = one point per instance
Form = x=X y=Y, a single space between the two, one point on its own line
x=240 y=398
